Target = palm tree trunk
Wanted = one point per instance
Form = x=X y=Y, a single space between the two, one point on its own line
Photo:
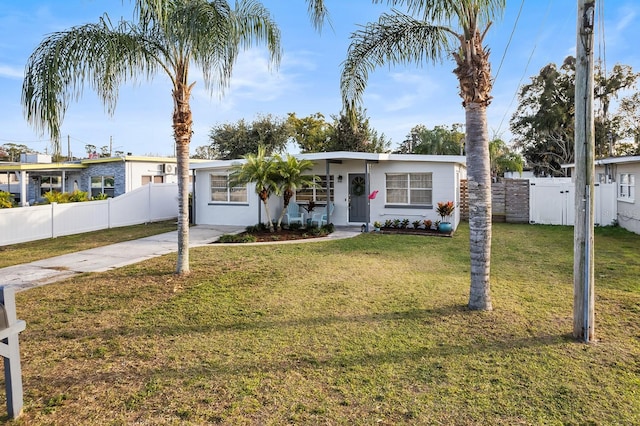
x=264 y=196
x=479 y=178
x=286 y=200
x=182 y=127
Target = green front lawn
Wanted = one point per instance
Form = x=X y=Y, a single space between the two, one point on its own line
x=370 y=330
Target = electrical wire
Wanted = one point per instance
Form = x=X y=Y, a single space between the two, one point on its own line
x=526 y=67
x=506 y=48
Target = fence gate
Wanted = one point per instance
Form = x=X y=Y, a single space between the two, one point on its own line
x=551 y=203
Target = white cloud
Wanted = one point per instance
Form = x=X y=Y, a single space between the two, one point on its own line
x=11 y=72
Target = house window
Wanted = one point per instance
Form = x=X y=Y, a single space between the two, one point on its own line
x=154 y=179
x=221 y=192
x=626 y=187
x=316 y=194
x=50 y=183
x=409 y=189
x=102 y=185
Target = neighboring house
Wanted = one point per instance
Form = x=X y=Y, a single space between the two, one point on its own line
x=36 y=175
x=364 y=188
x=622 y=171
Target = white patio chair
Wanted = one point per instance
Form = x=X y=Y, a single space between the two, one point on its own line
x=321 y=217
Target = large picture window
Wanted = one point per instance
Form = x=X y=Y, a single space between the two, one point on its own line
x=413 y=189
x=626 y=187
x=102 y=185
x=316 y=194
x=221 y=192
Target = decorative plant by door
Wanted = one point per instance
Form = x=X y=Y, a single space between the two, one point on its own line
x=358 y=185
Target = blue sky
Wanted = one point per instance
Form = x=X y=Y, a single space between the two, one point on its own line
x=307 y=81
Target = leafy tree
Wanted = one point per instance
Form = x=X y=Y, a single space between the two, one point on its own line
x=233 y=140
x=311 y=133
x=352 y=133
x=261 y=170
x=168 y=36
x=503 y=159
x=11 y=151
x=442 y=27
x=543 y=124
x=292 y=177
x=629 y=125
x=437 y=141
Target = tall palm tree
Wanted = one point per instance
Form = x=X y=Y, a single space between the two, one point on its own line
x=292 y=177
x=263 y=172
x=442 y=27
x=169 y=36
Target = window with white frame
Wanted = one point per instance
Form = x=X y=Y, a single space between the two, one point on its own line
x=317 y=194
x=414 y=189
x=222 y=192
x=102 y=185
x=626 y=187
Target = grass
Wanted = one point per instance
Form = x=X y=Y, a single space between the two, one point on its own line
x=37 y=250
x=369 y=330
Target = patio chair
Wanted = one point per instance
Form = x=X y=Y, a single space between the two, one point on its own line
x=321 y=217
x=293 y=214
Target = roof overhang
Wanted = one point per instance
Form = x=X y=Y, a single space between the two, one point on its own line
x=342 y=156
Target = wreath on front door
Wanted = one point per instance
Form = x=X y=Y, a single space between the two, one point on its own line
x=358 y=186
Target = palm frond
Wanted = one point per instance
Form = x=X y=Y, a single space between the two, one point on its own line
x=455 y=13
x=318 y=13
x=97 y=54
x=395 y=39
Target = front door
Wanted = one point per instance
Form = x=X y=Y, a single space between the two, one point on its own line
x=357 y=198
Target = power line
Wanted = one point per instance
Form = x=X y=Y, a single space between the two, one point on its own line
x=506 y=48
x=515 y=94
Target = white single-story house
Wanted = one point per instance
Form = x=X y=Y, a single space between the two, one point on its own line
x=622 y=171
x=363 y=188
x=36 y=174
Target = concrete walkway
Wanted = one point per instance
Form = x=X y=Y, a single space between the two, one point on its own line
x=101 y=259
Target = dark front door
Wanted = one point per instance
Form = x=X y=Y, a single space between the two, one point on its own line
x=357 y=198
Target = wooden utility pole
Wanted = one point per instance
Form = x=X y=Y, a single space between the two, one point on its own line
x=583 y=276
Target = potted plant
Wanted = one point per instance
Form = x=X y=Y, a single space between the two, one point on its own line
x=444 y=210
x=376 y=226
x=309 y=209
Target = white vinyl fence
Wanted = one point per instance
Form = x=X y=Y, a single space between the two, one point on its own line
x=552 y=202
x=150 y=203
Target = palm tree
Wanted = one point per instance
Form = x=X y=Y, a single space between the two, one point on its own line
x=292 y=178
x=444 y=26
x=169 y=37
x=261 y=170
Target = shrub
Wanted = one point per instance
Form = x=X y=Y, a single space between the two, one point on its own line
x=388 y=223
x=404 y=223
x=428 y=224
x=416 y=224
x=396 y=223
x=6 y=200
x=237 y=238
x=100 y=196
